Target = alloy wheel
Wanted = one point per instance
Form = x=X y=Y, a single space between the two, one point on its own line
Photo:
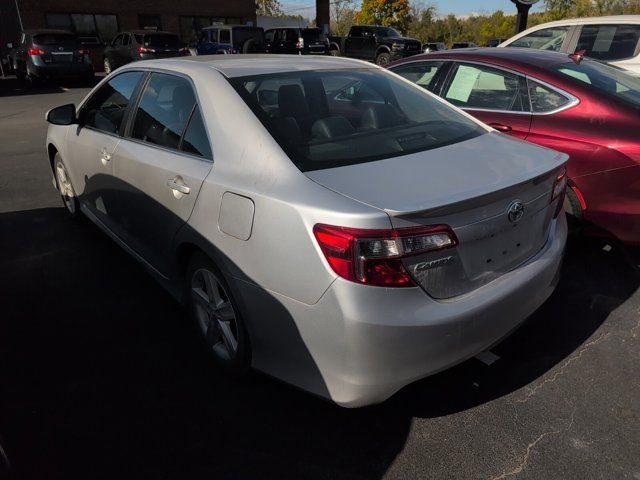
x=66 y=189
x=215 y=316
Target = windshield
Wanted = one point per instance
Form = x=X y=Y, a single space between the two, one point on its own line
x=389 y=32
x=55 y=39
x=160 y=40
x=328 y=119
x=603 y=77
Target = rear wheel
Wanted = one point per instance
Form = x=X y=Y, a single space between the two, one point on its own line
x=67 y=193
x=383 y=59
x=216 y=316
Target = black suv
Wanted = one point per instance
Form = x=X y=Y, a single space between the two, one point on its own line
x=375 y=43
x=46 y=54
x=296 y=41
x=226 y=39
x=135 y=45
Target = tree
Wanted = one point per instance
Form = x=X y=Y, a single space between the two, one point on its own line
x=390 y=13
x=343 y=15
x=271 y=8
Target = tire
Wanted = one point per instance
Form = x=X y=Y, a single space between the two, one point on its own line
x=335 y=52
x=248 y=46
x=108 y=68
x=67 y=193
x=383 y=59
x=216 y=316
x=574 y=212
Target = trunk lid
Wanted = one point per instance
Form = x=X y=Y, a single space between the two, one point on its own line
x=471 y=186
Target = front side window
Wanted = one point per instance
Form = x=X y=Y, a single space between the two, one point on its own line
x=545 y=39
x=420 y=73
x=486 y=88
x=605 y=78
x=126 y=40
x=164 y=109
x=117 y=41
x=321 y=121
x=543 y=99
x=609 y=42
x=106 y=108
x=269 y=36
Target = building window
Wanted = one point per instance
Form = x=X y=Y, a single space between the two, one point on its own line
x=190 y=26
x=150 y=22
x=89 y=28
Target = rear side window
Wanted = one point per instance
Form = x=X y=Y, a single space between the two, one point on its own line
x=324 y=119
x=225 y=36
x=486 y=88
x=195 y=139
x=545 y=39
x=609 y=42
x=106 y=108
x=164 y=109
x=420 y=73
x=543 y=99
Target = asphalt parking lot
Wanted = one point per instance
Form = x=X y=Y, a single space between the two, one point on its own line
x=101 y=376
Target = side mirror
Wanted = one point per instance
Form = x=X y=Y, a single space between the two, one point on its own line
x=63 y=115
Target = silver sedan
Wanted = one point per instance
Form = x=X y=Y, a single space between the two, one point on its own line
x=327 y=222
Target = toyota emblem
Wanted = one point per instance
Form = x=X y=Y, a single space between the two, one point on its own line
x=515 y=211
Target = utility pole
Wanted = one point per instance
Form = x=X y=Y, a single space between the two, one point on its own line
x=523 y=13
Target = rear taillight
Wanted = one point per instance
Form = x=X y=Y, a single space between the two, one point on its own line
x=300 y=43
x=559 y=189
x=374 y=257
x=35 y=51
x=146 y=50
x=184 y=51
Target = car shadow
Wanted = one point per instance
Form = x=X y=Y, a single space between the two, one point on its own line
x=10 y=86
x=103 y=378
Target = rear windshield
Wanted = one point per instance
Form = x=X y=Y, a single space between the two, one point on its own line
x=605 y=78
x=55 y=39
x=160 y=40
x=328 y=119
x=240 y=34
x=310 y=34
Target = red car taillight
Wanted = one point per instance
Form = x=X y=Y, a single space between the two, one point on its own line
x=35 y=51
x=146 y=50
x=559 y=189
x=374 y=257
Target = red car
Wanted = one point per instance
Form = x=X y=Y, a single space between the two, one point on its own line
x=582 y=107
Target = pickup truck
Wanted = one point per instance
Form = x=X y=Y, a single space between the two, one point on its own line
x=375 y=43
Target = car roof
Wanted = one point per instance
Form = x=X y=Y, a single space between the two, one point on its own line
x=254 y=64
x=527 y=58
x=617 y=19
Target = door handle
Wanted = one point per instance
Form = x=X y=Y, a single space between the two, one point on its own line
x=500 y=127
x=105 y=157
x=176 y=184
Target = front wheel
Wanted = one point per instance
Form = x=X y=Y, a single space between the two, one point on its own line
x=217 y=317
x=67 y=193
x=383 y=59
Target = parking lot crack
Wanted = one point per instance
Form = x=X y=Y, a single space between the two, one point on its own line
x=530 y=449
x=562 y=368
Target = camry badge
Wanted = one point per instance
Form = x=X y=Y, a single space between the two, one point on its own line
x=515 y=211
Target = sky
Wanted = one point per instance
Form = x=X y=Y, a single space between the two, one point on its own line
x=306 y=8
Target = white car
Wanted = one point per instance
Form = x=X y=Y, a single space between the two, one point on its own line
x=328 y=222
x=613 y=39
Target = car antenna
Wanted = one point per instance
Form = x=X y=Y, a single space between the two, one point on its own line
x=577 y=56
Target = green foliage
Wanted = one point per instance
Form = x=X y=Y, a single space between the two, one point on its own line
x=390 y=13
x=343 y=15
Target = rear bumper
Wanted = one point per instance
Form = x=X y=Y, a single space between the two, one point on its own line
x=64 y=70
x=366 y=343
